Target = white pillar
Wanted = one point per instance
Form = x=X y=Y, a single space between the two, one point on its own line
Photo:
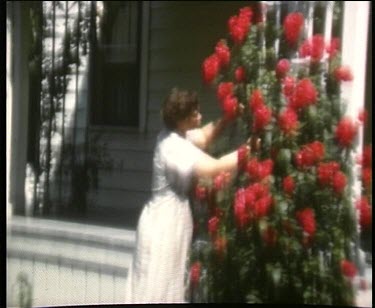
x=8 y=111
x=354 y=52
x=17 y=102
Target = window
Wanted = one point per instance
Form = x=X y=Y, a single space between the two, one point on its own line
x=116 y=65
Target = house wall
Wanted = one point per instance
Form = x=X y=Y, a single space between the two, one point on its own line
x=181 y=35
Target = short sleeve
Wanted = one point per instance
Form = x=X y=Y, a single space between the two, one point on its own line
x=180 y=156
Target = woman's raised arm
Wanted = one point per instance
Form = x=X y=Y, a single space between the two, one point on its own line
x=208 y=166
x=203 y=137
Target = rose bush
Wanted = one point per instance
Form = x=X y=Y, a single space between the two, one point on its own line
x=282 y=230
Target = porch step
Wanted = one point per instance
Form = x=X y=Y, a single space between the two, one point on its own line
x=87 y=247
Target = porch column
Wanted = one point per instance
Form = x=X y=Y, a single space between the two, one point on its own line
x=354 y=51
x=18 y=37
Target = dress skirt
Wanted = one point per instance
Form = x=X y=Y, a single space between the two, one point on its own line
x=164 y=232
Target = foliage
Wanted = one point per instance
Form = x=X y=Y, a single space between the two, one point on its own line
x=52 y=68
x=283 y=229
x=24 y=290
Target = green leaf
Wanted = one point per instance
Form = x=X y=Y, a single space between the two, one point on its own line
x=283 y=161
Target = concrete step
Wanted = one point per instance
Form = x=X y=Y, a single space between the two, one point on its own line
x=84 y=233
x=67 y=263
x=86 y=247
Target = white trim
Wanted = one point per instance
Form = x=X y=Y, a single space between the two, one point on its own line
x=328 y=21
x=143 y=82
x=9 y=105
x=354 y=51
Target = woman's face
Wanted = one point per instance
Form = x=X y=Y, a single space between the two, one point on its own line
x=194 y=119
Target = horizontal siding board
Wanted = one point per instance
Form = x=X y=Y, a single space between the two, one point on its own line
x=130 y=180
x=120 y=199
x=170 y=79
x=193 y=15
x=130 y=160
x=185 y=4
x=124 y=141
x=182 y=41
x=168 y=59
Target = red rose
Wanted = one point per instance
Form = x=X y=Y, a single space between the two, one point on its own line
x=317 y=47
x=289 y=84
x=367 y=156
x=325 y=172
x=262 y=116
x=310 y=154
x=256 y=100
x=246 y=12
x=219 y=181
x=260 y=190
x=365 y=213
x=269 y=236
x=265 y=168
x=242 y=154
x=252 y=168
x=240 y=74
x=288 y=185
x=306 y=219
x=313 y=47
x=362 y=116
x=200 y=192
x=259 y=170
x=239 y=26
x=230 y=105
x=293 y=24
x=333 y=47
x=367 y=177
x=220 y=245
x=343 y=73
x=241 y=215
x=210 y=68
x=305 y=49
x=250 y=197
x=262 y=206
x=345 y=132
x=288 y=121
x=317 y=148
x=224 y=89
x=339 y=182
x=213 y=225
x=305 y=94
x=282 y=67
x=298 y=158
x=223 y=53
x=258 y=200
x=348 y=268
x=195 y=273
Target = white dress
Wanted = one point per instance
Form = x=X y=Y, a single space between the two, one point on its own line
x=164 y=231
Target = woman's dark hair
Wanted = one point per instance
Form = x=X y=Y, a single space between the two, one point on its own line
x=178 y=105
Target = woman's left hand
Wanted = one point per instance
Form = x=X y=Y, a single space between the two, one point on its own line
x=240 y=110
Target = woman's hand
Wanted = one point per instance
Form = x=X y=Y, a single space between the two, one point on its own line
x=240 y=110
x=254 y=143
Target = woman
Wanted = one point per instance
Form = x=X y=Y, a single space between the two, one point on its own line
x=165 y=226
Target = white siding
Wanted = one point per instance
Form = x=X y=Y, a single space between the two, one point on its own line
x=182 y=34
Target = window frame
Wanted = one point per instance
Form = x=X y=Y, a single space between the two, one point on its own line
x=143 y=80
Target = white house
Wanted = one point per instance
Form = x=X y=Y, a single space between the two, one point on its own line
x=84 y=91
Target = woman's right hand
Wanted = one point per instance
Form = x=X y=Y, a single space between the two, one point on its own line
x=254 y=143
